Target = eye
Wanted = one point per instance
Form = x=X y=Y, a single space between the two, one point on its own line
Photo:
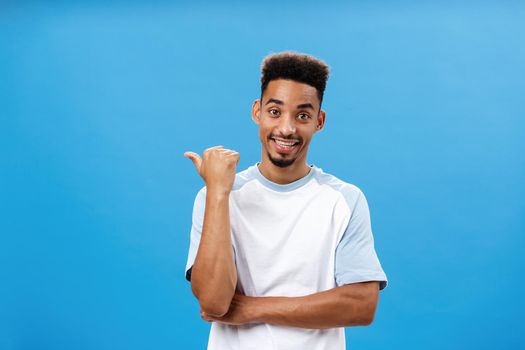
x=274 y=112
x=303 y=116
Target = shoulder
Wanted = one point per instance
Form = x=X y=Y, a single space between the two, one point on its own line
x=349 y=191
x=243 y=177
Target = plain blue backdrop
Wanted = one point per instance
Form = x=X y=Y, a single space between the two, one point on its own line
x=425 y=113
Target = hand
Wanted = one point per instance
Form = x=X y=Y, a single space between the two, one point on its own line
x=242 y=311
x=216 y=167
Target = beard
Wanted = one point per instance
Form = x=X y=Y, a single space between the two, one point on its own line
x=281 y=163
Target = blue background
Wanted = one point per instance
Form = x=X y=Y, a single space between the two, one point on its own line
x=98 y=102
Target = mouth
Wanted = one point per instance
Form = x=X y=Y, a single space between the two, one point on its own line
x=285 y=146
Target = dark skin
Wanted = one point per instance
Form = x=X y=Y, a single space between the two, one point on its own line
x=290 y=112
x=349 y=305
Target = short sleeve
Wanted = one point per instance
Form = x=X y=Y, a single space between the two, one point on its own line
x=196 y=229
x=355 y=257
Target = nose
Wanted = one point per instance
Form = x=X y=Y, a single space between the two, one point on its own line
x=287 y=125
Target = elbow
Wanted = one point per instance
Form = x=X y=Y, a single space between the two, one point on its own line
x=361 y=304
x=214 y=308
x=362 y=314
x=211 y=303
x=367 y=319
x=214 y=296
x=368 y=314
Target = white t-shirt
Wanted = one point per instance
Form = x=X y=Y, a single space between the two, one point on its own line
x=296 y=239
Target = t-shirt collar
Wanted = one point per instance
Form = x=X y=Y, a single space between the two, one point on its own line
x=283 y=187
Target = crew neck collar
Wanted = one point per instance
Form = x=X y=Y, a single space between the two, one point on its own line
x=283 y=187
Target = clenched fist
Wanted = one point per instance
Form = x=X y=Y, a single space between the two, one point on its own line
x=216 y=167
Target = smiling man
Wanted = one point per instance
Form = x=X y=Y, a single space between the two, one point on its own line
x=282 y=254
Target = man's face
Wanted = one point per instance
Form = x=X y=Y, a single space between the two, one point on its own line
x=288 y=116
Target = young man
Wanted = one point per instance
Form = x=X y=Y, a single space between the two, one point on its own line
x=282 y=254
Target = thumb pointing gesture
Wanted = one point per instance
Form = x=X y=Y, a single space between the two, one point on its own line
x=196 y=159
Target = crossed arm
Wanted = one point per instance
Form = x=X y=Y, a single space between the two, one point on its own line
x=214 y=278
x=344 y=306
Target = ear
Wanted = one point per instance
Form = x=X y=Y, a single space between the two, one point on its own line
x=320 y=120
x=256 y=111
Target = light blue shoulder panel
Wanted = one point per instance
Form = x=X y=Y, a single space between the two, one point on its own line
x=355 y=257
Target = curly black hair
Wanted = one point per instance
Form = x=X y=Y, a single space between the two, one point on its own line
x=297 y=67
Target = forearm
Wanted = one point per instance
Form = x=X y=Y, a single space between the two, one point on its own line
x=339 y=307
x=214 y=276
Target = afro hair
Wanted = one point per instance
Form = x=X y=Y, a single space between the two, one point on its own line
x=297 y=67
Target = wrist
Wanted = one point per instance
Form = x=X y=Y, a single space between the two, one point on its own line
x=218 y=193
x=258 y=309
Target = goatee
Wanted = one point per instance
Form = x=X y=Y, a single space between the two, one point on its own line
x=281 y=163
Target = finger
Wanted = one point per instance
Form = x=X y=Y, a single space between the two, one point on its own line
x=227 y=151
x=195 y=158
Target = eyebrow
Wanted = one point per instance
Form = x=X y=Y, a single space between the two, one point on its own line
x=300 y=106
x=305 y=105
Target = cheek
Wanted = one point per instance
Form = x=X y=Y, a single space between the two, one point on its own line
x=263 y=135
x=264 y=130
x=306 y=133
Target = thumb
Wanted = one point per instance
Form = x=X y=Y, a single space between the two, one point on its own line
x=195 y=158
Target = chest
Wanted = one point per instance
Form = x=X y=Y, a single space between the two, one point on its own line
x=284 y=239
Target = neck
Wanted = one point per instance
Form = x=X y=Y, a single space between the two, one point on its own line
x=282 y=176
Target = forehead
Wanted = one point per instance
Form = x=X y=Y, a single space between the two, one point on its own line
x=291 y=92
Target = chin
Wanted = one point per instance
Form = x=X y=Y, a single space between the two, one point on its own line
x=280 y=162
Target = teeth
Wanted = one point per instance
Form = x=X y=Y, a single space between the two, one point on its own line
x=281 y=143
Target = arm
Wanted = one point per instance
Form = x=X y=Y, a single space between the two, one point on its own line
x=214 y=275
x=349 y=305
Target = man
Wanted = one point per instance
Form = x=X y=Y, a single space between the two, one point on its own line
x=282 y=254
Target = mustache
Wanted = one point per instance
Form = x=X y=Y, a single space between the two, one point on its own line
x=289 y=137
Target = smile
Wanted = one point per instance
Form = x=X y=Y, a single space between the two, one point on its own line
x=283 y=146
